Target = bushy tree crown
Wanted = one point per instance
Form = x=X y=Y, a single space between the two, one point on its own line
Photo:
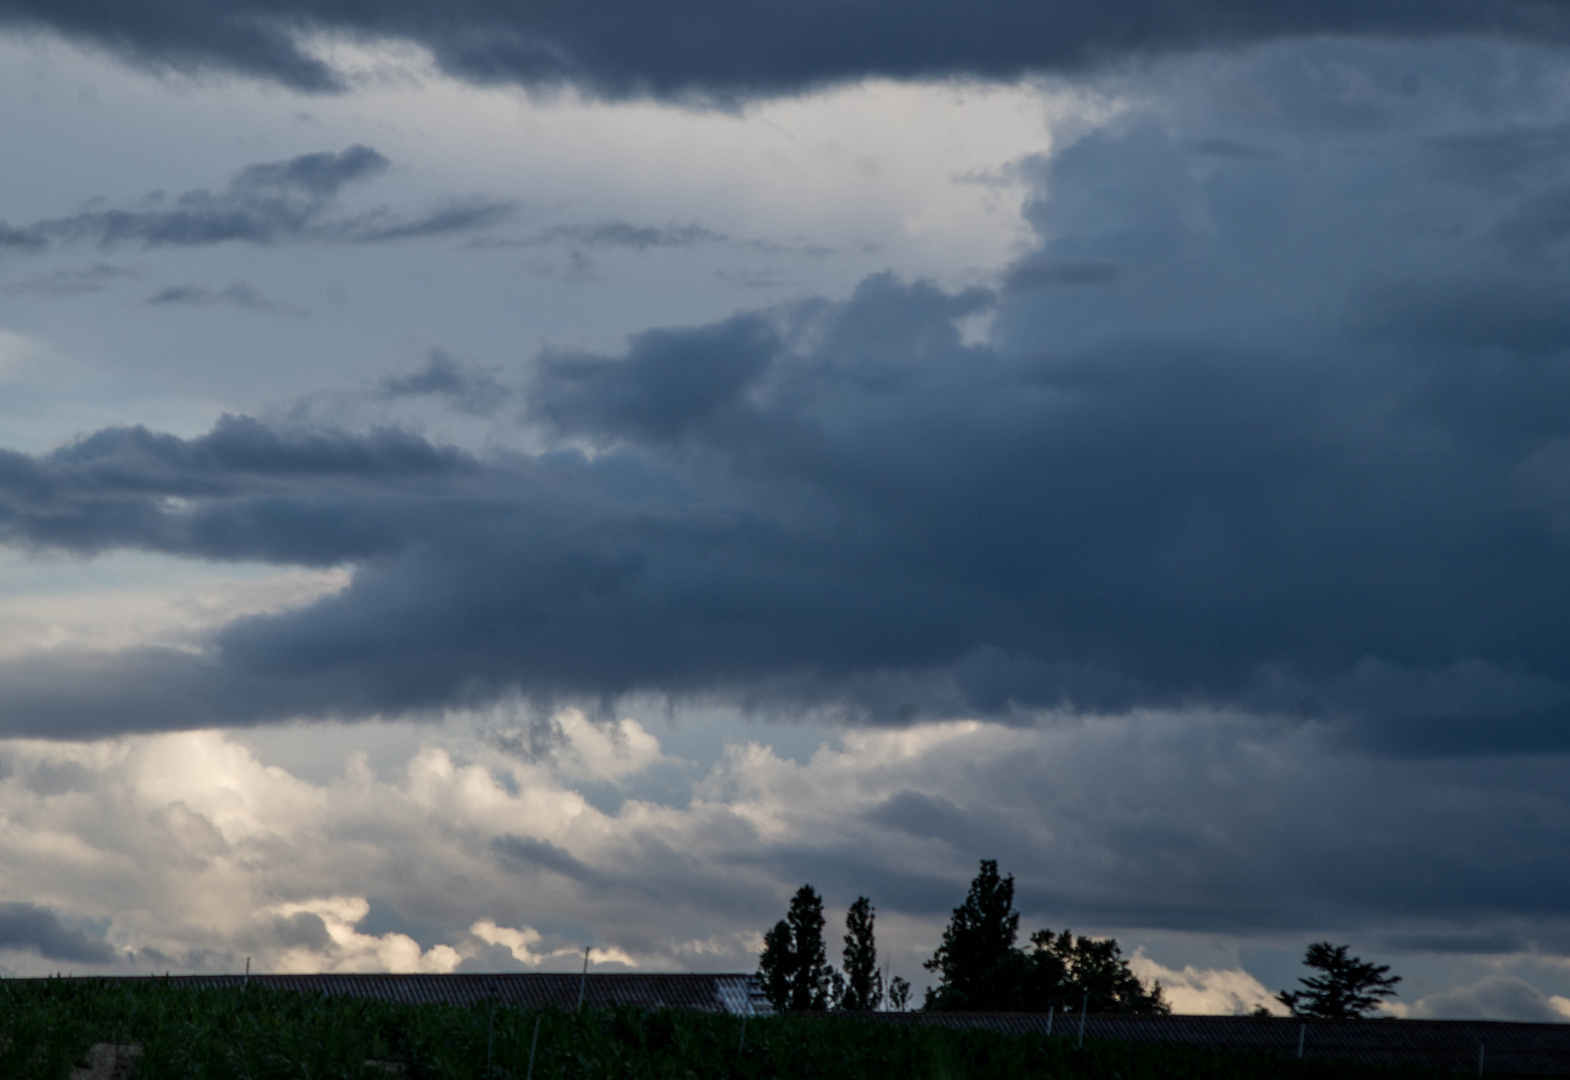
x=1349 y=989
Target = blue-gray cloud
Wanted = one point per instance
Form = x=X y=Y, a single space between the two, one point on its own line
x=90 y=279
x=242 y=294
x=1249 y=433
x=719 y=50
x=265 y=203
x=37 y=929
x=467 y=386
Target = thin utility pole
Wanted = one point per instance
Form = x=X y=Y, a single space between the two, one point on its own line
x=1050 y=1009
x=1084 y=1007
x=1479 y=1059
x=1302 y=1030
x=583 y=982
x=246 y=982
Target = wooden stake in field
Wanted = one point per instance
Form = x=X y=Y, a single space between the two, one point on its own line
x=532 y=1044
x=490 y=1038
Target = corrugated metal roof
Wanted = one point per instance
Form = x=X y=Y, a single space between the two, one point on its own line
x=737 y=994
x=1509 y=1049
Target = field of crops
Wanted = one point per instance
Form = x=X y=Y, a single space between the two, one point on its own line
x=180 y=1033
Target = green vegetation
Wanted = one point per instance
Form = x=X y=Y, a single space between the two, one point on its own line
x=207 y=1034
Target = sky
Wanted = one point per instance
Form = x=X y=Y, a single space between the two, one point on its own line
x=480 y=481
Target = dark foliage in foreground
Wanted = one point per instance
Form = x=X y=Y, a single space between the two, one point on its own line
x=209 y=1034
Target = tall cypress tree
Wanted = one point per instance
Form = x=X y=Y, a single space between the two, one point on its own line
x=863 y=981
x=809 y=981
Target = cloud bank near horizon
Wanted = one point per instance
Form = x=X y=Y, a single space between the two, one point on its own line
x=568 y=832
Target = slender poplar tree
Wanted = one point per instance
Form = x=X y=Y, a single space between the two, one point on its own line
x=810 y=977
x=863 y=981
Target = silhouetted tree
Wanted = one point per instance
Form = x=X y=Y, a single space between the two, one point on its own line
x=792 y=969
x=809 y=982
x=1349 y=989
x=777 y=965
x=899 y=992
x=1093 y=974
x=978 y=967
x=863 y=982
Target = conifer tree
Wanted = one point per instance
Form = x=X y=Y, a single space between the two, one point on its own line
x=793 y=969
x=777 y=965
x=810 y=973
x=863 y=982
x=1349 y=989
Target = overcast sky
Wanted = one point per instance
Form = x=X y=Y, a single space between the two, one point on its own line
x=481 y=480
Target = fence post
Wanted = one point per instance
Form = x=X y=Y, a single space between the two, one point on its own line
x=532 y=1044
x=490 y=1039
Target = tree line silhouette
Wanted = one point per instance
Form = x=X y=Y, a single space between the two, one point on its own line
x=981 y=967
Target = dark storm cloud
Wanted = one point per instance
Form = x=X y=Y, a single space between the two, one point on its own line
x=667 y=384
x=1229 y=148
x=1050 y=273
x=627 y=236
x=468 y=386
x=724 y=50
x=1247 y=441
x=242 y=294
x=91 y=279
x=37 y=929
x=622 y=234
x=1501 y=157
x=264 y=204
x=526 y=852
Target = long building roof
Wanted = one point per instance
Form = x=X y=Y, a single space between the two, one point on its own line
x=729 y=993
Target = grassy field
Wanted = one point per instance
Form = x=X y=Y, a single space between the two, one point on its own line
x=205 y=1034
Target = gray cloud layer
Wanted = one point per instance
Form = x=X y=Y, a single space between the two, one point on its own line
x=1248 y=431
x=264 y=204
x=725 y=50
